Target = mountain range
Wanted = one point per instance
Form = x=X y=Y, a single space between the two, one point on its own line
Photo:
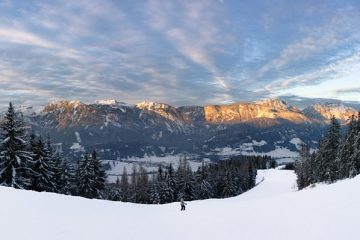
x=122 y=131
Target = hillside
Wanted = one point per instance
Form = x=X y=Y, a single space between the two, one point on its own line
x=272 y=210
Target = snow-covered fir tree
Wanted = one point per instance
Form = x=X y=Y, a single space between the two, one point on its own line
x=85 y=181
x=154 y=197
x=15 y=159
x=354 y=159
x=186 y=180
x=204 y=189
x=302 y=168
x=326 y=157
x=43 y=178
x=171 y=184
x=65 y=178
x=229 y=186
x=99 y=175
x=346 y=150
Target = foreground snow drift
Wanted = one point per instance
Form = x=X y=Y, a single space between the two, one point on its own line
x=272 y=210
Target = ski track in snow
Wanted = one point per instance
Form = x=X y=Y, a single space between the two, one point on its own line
x=271 y=210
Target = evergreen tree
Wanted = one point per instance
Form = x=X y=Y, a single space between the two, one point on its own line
x=76 y=169
x=57 y=168
x=142 y=185
x=15 y=160
x=154 y=197
x=326 y=156
x=43 y=173
x=99 y=175
x=346 y=150
x=229 y=188
x=133 y=188
x=86 y=178
x=204 y=189
x=65 y=178
x=354 y=161
x=251 y=175
x=171 y=184
x=186 y=180
x=302 y=167
x=124 y=186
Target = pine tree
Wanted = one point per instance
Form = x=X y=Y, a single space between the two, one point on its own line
x=204 y=189
x=229 y=188
x=346 y=150
x=65 y=178
x=15 y=160
x=133 y=188
x=54 y=163
x=186 y=180
x=154 y=197
x=302 y=167
x=75 y=181
x=86 y=179
x=251 y=175
x=142 y=185
x=99 y=175
x=354 y=161
x=57 y=168
x=43 y=178
x=171 y=184
x=327 y=153
x=124 y=186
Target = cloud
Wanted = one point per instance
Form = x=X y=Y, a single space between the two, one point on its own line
x=196 y=30
x=179 y=52
x=348 y=90
x=333 y=70
x=338 y=29
x=23 y=37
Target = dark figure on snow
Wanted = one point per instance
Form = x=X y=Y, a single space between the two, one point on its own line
x=182 y=203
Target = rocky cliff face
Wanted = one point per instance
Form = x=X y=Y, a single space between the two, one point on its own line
x=254 y=112
x=166 y=111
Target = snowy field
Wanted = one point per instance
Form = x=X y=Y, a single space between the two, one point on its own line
x=272 y=210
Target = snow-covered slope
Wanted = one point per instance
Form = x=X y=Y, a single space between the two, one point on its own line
x=272 y=210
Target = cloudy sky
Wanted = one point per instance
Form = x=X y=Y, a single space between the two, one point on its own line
x=179 y=52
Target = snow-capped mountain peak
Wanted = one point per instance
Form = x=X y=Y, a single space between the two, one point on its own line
x=149 y=105
x=326 y=111
x=107 y=102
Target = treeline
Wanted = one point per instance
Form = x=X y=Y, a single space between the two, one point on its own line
x=336 y=158
x=223 y=179
x=29 y=162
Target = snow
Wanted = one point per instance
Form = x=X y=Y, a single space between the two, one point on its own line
x=113 y=103
x=77 y=147
x=296 y=142
x=227 y=151
x=273 y=210
x=281 y=152
x=107 y=102
x=78 y=138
